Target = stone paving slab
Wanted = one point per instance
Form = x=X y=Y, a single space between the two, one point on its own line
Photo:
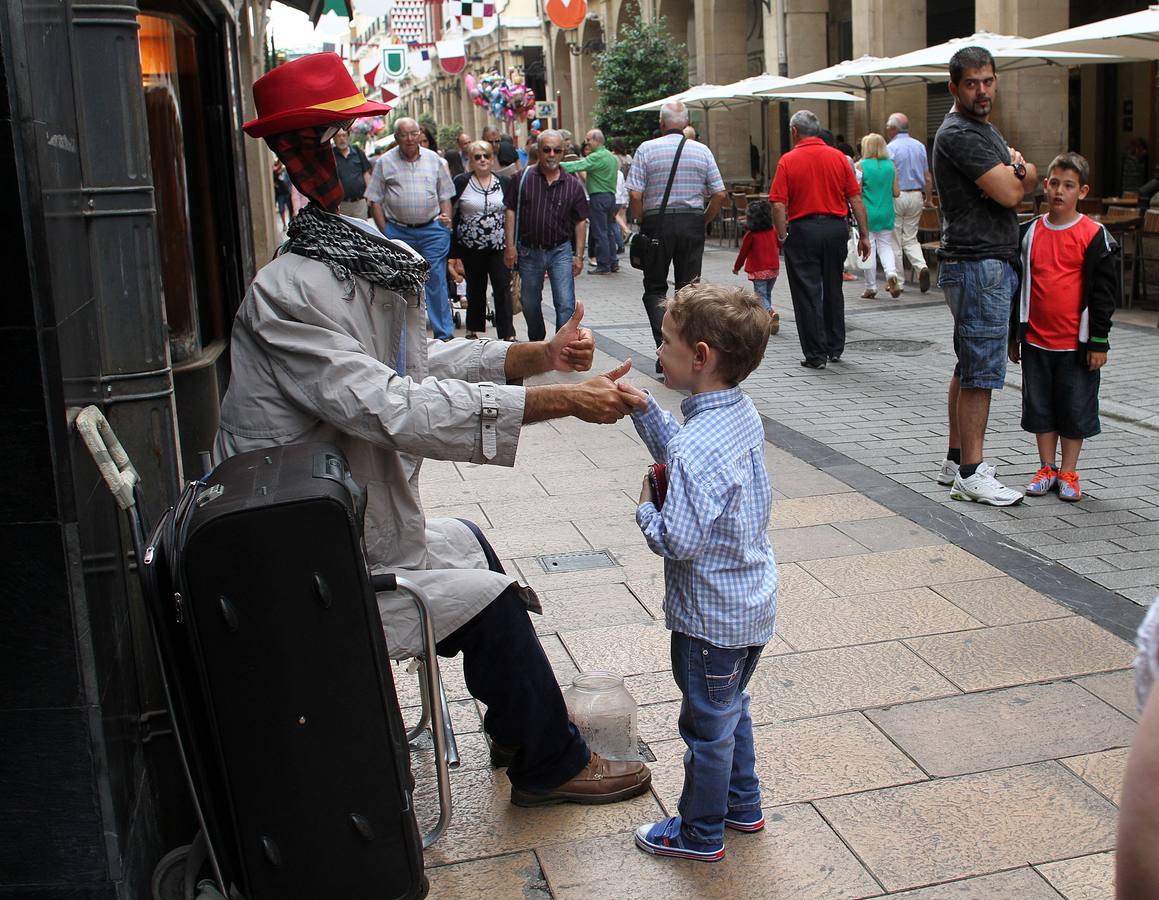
x=1102 y=771
x=1083 y=878
x=1116 y=688
x=1000 y=601
x=1024 y=884
x=841 y=621
x=803 y=760
x=1009 y=727
x=1017 y=654
x=514 y=877
x=820 y=682
x=950 y=828
x=796 y=856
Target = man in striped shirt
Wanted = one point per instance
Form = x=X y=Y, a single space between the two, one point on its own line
x=680 y=229
x=552 y=214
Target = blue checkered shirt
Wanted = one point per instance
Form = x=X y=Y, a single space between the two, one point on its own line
x=719 y=573
x=697 y=175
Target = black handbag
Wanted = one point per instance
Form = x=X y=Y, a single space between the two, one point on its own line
x=642 y=247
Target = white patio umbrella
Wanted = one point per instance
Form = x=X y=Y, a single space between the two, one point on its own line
x=740 y=93
x=929 y=64
x=1133 y=36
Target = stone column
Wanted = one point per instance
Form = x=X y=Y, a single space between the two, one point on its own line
x=1031 y=108
x=721 y=32
x=807 y=42
x=890 y=28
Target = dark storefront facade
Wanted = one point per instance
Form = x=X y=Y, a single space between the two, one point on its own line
x=122 y=174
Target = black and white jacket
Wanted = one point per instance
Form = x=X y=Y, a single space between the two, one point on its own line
x=1100 y=294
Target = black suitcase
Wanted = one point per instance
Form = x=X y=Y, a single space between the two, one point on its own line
x=309 y=784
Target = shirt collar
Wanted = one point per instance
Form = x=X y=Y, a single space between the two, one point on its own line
x=811 y=142
x=679 y=131
x=690 y=406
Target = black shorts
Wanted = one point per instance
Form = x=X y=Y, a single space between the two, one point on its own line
x=1059 y=393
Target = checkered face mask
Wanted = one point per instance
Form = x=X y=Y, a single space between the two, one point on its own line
x=310 y=164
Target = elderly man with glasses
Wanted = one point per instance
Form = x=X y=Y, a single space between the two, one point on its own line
x=410 y=200
x=546 y=232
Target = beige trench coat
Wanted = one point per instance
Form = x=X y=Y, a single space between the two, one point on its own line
x=316 y=358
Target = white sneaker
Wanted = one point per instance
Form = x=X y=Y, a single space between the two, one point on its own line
x=983 y=487
x=948 y=473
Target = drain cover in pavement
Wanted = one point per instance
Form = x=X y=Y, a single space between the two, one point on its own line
x=888 y=345
x=577 y=562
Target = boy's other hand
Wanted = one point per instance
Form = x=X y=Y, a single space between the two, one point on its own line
x=1096 y=359
x=572 y=348
x=646 y=495
x=1013 y=353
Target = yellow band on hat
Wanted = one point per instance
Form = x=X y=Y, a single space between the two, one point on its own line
x=340 y=105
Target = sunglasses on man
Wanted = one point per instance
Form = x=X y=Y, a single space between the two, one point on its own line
x=551 y=151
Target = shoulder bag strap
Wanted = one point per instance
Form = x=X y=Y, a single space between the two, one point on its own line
x=672 y=175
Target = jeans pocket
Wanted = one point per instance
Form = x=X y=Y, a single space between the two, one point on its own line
x=722 y=673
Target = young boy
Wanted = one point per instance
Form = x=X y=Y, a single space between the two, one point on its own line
x=1070 y=285
x=720 y=577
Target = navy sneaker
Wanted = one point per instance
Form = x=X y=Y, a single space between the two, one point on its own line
x=666 y=839
x=745 y=819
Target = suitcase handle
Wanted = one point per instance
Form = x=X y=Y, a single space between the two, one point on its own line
x=430 y=670
x=108 y=454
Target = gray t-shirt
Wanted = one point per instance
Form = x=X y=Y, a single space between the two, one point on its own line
x=973 y=225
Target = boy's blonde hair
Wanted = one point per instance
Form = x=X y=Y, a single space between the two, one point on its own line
x=731 y=320
x=873 y=147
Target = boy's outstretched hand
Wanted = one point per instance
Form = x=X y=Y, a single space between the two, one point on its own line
x=638 y=398
x=1096 y=359
x=572 y=347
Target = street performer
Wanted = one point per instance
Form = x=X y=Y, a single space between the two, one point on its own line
x=330 y=344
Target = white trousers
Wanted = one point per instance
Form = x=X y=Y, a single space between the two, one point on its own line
x=880 y=247
x=907 y=213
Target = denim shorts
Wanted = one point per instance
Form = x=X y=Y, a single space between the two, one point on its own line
x=979 y=293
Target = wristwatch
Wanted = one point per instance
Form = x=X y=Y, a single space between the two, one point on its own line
x=1019 y=170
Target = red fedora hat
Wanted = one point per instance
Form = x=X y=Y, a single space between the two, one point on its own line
x=312 y=90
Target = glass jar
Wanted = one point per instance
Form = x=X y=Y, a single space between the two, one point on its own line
x=605 y=714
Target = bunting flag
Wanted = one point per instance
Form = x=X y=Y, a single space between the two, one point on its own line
x=419 y=61
x=567 y=14
x=394 y=61
x=474 y=15
x=452 y=55
x=372 y=76
x=408 y=21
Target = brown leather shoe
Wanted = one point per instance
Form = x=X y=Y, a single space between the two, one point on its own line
x=600 y=781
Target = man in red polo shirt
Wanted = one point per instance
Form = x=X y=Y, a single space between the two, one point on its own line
x=812 y=192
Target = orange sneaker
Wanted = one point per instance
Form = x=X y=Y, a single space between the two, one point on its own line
x=1068 y=487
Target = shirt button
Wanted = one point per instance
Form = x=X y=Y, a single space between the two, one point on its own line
x=704 y=652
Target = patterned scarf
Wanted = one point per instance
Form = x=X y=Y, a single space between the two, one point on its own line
x=347 y=249
x=310 y=164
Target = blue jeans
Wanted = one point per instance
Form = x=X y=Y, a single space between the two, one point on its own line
x=433 y=243
x=764 y=289
x=720 y=762
x=602 y=221
x=980 y=293
x=556 y=262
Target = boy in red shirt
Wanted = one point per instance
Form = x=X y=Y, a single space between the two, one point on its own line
x=1070 y=286
x=760 y=253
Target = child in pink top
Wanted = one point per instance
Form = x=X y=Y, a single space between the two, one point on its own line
x=760 y=253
